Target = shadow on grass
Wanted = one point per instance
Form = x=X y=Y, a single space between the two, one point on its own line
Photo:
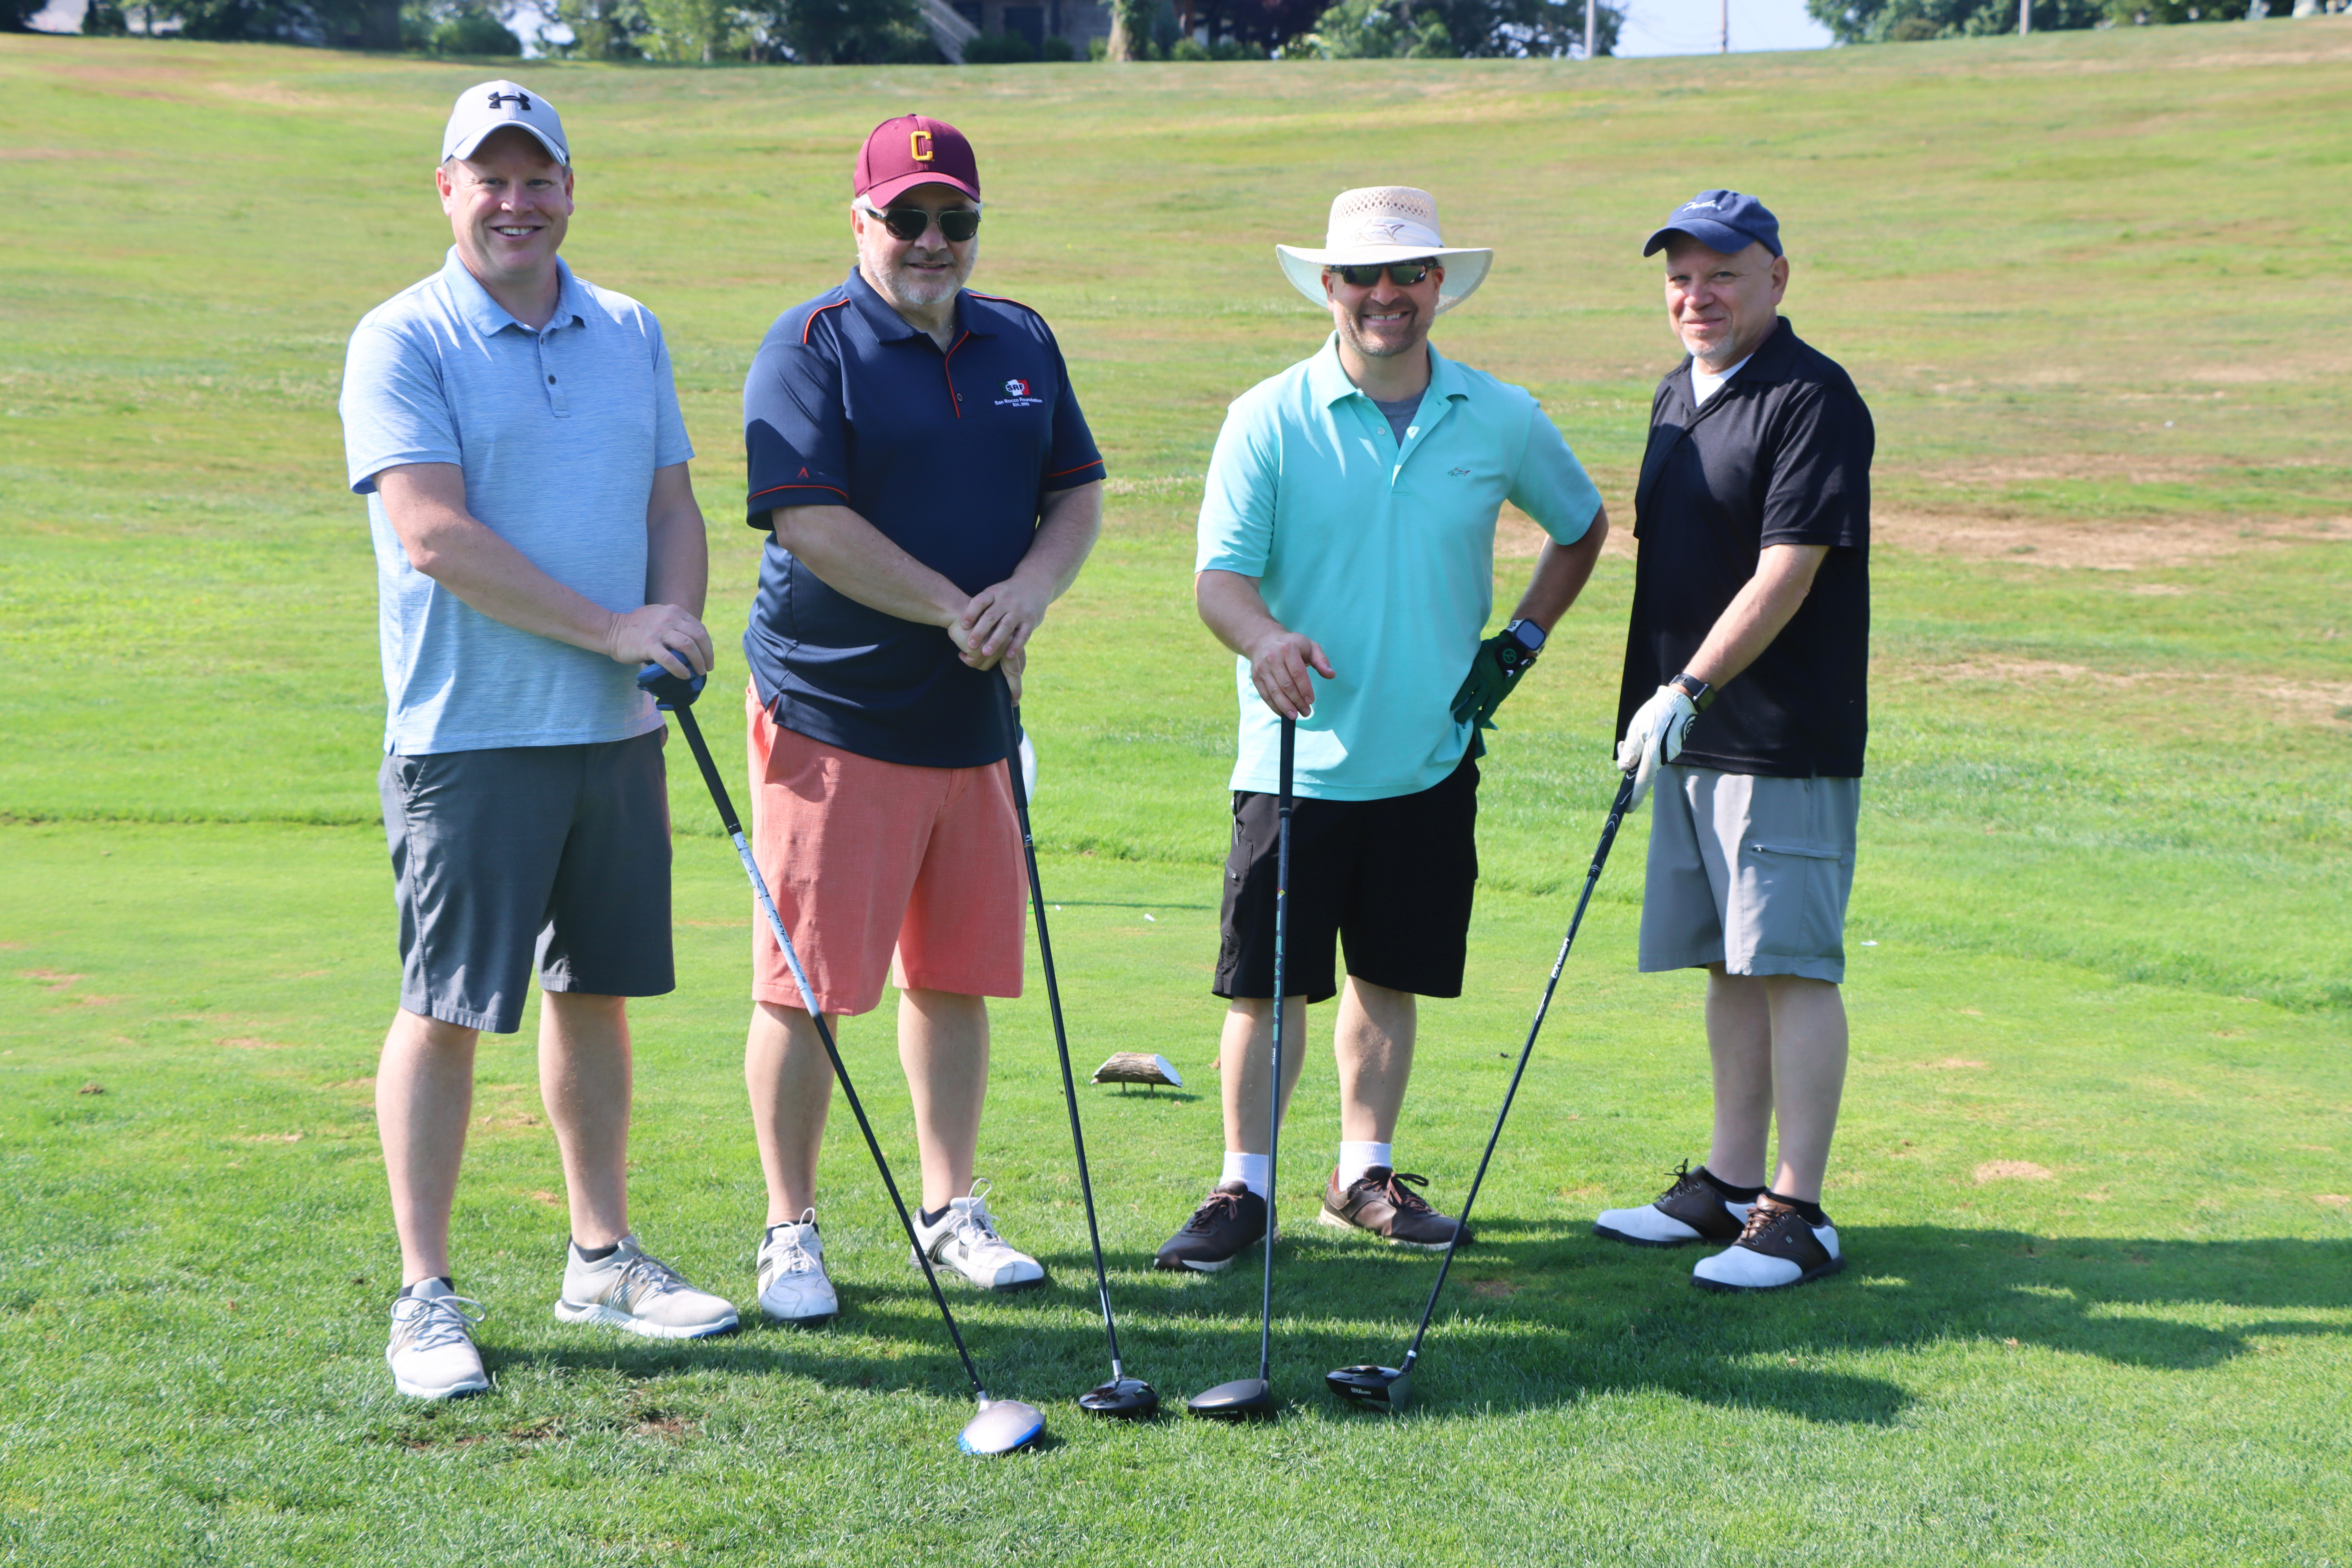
x=1535 y=1317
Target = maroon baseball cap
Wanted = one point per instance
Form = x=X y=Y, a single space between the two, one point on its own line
x=914 y=150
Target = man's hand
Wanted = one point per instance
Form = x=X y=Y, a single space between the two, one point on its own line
x=1656 y=736
x=999 y=620
x=1494 y=672
x=663 y=634
x=1280 y=666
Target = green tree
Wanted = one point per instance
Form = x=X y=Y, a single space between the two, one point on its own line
x=1915 y=21
x=857 y=33
x=693 y=29
x=603 y=29
x=1373 y=30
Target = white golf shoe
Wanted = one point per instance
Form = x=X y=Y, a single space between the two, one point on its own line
x=432 y=1352
x=1692 y=1209
x=1776 y=1249
x=793 y=1290
x=965 y=1242
x=629 y=1289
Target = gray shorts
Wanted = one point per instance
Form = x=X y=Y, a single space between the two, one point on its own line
x=1751 y=873
x=556 y=856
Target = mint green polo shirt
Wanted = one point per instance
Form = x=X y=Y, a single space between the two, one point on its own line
x=1384 y=555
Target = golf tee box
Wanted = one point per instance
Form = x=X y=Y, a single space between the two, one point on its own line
x=1138 y=1067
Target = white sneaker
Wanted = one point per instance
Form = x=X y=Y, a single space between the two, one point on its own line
x=631 y=1289
x=432 y=1352
x=1776 y=1248
x=1692 y=1209
x=965 y=1241
x=793 y=1290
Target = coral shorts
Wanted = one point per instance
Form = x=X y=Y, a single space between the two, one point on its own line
x=866 y=860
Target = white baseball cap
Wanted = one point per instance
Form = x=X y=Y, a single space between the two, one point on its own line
x=495 y=105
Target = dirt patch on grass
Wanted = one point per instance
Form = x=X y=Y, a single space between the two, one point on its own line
x=2323 y=702
x=1951 y=1064
x=2123 y=545
x=2013 y=1170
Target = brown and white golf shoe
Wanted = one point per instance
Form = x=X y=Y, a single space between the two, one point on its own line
x=1695 y=1208
x=1382 y=1202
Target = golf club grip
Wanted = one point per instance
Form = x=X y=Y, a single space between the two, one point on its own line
x=1054 y=1006
x=1617 y=810
x=701 y=748
x=823 y=1034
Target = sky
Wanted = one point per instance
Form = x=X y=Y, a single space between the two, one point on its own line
x=1696 y=26
x=1652 y=26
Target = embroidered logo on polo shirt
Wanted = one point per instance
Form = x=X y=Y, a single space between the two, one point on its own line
x=1017 y=396
x=1458 y=473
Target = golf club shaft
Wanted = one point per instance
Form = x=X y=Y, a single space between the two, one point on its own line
x=1281 y=997
x=1054 y=1006
x=1617 y=810
x=686 y=722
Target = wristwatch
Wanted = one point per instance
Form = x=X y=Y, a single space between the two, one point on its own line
x=1527 y=636
x=1701 y=695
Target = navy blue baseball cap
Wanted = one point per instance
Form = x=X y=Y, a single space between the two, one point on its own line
x=1720 y=220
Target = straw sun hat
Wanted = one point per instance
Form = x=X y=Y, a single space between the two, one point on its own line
x=1380 y=224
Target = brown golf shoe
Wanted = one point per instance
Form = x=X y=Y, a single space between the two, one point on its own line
x=1382 y=1200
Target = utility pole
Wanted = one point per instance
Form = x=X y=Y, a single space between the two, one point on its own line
x=1588 y=4
x=1726 y=23
x=2024 y=17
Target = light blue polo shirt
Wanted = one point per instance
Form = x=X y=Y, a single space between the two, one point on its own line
x=559 y=432
x=1385 y=555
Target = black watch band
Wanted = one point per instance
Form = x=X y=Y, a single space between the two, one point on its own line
x=1701 y=695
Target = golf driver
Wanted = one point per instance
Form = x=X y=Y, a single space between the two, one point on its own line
x=1123 y=1397
x=1252 y=1399
x=1002 y=1425
x=1388 y=1389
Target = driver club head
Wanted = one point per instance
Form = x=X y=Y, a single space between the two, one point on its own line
x=1002 y=1426
x=1121 y=1399
x=1382 y=1389
x=1244 y=1399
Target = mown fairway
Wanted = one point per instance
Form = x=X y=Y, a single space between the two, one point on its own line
x=2095 y=1173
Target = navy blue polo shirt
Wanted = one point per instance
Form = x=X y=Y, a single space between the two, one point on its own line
x=951 y=455
x=1780 y=455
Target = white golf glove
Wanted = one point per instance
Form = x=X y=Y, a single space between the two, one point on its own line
x=1656 y=736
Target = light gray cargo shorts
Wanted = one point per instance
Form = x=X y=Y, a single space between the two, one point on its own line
x=1751 y=873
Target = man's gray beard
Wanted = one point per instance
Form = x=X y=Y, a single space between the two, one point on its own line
x=1716 y=367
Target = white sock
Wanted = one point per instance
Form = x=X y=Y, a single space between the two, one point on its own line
x=1249 y=1168
x=1355 y=1159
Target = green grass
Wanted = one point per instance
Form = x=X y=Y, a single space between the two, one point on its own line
x=2108 y=843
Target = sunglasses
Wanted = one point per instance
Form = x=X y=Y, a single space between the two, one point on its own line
x=956 y=225
x=1403 y=274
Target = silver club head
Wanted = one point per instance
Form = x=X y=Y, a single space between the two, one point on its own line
x=1002 y=1426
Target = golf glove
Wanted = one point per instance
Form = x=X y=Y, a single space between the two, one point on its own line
x=1656 y=735
x=1496 y=668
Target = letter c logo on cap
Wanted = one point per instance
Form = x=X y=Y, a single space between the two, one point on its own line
x=919 y=144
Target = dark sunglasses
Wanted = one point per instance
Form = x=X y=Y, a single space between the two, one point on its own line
x=1403 y=274
x=956 y=225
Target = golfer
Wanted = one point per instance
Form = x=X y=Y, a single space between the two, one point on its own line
x=929 y=488
x=537 y=541
x=1346 y=555
x=1743 y=704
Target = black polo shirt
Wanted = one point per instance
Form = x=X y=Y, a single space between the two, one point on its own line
x=950 y=457
x=1780 y=454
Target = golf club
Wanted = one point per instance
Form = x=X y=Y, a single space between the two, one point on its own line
x=1123 y=1397
x=1252 y=1399
x=1388 y=1389
x=1002 y=1426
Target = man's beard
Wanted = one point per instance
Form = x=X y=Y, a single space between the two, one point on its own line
x=1353 y=326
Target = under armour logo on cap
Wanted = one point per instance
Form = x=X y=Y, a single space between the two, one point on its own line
x=521 y=98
